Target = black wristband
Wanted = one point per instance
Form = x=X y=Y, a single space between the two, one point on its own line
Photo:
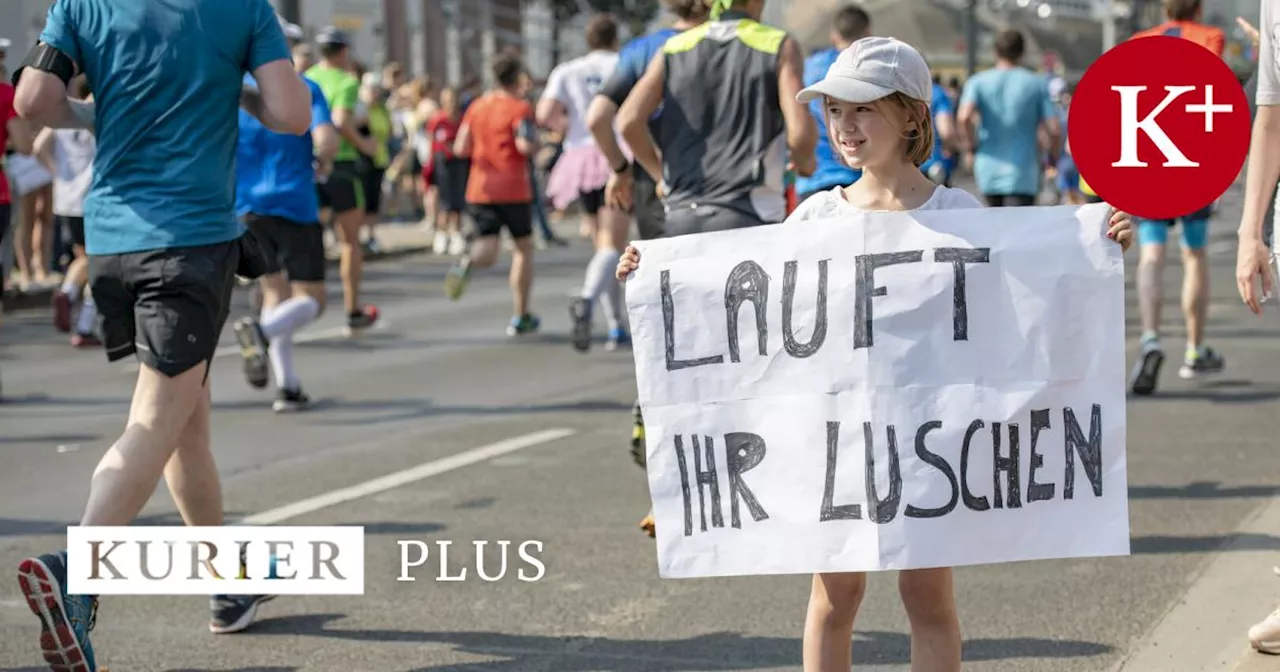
x=625 y=165
x=47 y=59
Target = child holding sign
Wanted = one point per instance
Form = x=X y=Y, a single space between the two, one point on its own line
x=876 y=97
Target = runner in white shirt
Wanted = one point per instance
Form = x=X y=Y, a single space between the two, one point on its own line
x=582 y=173
x=71 y=152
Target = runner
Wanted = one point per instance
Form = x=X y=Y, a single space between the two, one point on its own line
x=1153 y=236
x=276 y=199
x=1003 y=112
x=498 y=136
x=164 y=246
x=581 y=175
x=450 y=174
x=630 y=188
x=376 y=125
x=879 y=118
x=72 y=151
x=15 y=130
x=720 y=175
x=849 y=25
x=941 y=162
x=342 y=193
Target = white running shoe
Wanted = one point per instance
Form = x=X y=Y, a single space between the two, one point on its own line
x=1265 y=636
x=457 y=244
x=441 y=243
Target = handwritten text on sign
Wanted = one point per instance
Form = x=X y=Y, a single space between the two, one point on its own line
x=884 y=391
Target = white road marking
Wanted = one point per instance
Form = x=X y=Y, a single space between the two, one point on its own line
x=405 y=477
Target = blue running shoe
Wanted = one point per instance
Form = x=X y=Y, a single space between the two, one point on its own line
x=618 y=338
x=65 y=620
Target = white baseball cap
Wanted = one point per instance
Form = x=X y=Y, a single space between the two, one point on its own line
x=871 y=69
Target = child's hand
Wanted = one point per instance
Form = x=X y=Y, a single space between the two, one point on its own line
x=629 y=262
x=1121 y=229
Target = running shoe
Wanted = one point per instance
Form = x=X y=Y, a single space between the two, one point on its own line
x=85 y=341
x=523 y=326
x=1202 y=362
x=638 y=454
x=648 y=526
x=291 y=401
x=362 y=319
x=233 y=613
x=455 y=283
x=580 y=314
x=1147 y=370
x=253 y=348
x=618 y=338
x=61 y=311
x=65 y=620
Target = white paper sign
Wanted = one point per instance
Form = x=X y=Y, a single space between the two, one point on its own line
x=884 y=391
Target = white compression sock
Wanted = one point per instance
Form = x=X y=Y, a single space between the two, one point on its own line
x=71 y=289
x=611 y=301
x=88 y=315
x=288 y=317
x=599 y=273
x=281 y=355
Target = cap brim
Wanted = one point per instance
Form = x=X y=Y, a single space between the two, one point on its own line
x=848 y=90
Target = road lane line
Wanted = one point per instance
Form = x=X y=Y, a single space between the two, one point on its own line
x=407 y=476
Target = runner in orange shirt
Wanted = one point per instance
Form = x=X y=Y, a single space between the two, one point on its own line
x=497 y=134
x=1184 y=21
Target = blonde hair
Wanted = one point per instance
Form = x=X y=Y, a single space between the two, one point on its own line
x=905 y=109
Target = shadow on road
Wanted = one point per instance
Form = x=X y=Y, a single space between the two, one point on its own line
x=1224 y=391
x=14 y=527
x=1210 y=544
x=238 y=669
x=377 y=411
x=714 y=651
x=1202 y=490
x=51 y=438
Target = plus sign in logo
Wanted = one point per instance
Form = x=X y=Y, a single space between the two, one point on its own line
x=1159 y=127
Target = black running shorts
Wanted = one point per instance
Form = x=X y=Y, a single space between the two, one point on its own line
x=491 y=219
x=166 y=306
x=592 y=201
x=344 y=190
x=651 y=215
x=73 y=225
x=292 y=247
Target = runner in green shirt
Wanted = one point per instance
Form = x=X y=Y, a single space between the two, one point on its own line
x=342 y=192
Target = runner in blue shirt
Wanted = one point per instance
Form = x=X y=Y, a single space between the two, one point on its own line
x=276 y=199
x=163 y=242
x=849 y=25
x=942 y=161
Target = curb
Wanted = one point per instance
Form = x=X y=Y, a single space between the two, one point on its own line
x=14 y=301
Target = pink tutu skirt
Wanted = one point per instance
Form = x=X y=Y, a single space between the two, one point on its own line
x=580 y=170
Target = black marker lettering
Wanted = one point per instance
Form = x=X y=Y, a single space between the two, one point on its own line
x=1038 y=492
x=883 y=510
x=866 y=265
x=743 y=451
x=974 y=503
x=795 y=348
x=1008 y=465
x=669 y=331
x=747 y=283
x=829 y=510
x=1090 y=452
x=710 y=479
x=934 y=460
x=958 y=257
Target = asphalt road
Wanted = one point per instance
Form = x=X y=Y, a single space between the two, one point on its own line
x=441 y=379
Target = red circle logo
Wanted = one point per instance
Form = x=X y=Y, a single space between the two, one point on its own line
x=1159 y=127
